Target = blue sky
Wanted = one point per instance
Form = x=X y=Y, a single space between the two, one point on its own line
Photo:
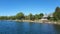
x=12 y=7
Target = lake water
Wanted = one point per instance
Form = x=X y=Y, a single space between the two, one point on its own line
x=12 y=27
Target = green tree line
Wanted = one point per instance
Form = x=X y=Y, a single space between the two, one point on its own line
x=21 y=15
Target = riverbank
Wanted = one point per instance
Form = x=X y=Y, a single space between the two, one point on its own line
x=40 y=21
x=36 y=21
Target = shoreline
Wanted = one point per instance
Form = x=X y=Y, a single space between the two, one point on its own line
x=36 y=21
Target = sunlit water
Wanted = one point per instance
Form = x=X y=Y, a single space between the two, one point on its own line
x=12 y=27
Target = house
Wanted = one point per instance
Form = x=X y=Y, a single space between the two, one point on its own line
x=44 y=17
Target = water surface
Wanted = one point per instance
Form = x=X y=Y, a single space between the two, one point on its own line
x=12 y=27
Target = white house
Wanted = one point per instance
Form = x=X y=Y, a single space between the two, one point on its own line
x=44 y=17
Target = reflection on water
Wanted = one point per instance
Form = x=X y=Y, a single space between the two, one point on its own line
x=57 y=28
x=11 y=27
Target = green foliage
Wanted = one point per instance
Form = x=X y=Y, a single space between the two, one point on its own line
x=12 y=17
x=20 y=15
x=57 y=9
x=7 y=18
x=56 y=14
x=41 y=15
x=3 y=18
x=30 y=16
x=36 y=16
x=26 y=18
